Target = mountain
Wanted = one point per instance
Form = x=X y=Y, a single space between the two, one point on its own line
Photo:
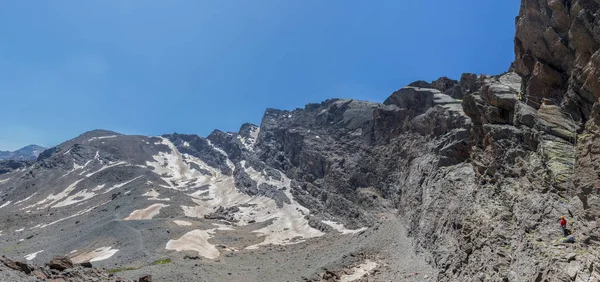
x=450 y=180
x=26 y=153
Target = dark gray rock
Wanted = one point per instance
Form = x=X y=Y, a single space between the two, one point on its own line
x=60 y=263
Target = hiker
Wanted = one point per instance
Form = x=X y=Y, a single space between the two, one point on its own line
x=563 y=225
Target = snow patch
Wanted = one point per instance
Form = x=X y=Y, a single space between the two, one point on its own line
x=182 y=222
x=251 y=140
x=217 y=148
x=74 y=215
x=5 y=204
x=147 y=213
x=340 y=227
x=359 y=271
x=101 y=137
x=153 y=195
x=175 y=168
x=21 y=201
x=96 y=255
x=80 y=196
x=32 y=255
x=121 y=185
x=195 y=240
x=19 y=230
x=105 y=167
x=288 y=223
x=186 y=144
x=98 y=188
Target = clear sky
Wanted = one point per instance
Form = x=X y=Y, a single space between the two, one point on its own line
x=153 y=67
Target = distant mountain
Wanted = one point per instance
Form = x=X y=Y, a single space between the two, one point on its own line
x=26 y=153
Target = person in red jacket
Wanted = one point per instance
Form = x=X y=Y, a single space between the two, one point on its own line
x=563 y=225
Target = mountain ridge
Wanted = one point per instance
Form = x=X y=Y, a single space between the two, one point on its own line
x=27 y=153
x=453 y=180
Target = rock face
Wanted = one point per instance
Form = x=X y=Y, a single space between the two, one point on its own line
x=27 y=153
x=479 y=169
x=10 y=165
x=557 y=53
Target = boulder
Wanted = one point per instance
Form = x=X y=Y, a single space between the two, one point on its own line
x=60 y=263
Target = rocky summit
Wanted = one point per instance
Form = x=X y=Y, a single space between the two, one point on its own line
x=450 y=180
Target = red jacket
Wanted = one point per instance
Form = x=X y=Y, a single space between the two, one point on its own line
x=563 y=222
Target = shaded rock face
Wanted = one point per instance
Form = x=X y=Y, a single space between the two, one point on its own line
x=557 y=53
x=10 y=165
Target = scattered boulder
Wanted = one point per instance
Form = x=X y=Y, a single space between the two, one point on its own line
x=60 y=263
x=18 y=265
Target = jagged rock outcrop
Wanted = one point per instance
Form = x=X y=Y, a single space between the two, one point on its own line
x=10 y=165
x=59 y=269
x=557 y=53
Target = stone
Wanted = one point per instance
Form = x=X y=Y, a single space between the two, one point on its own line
x=17 y=265
x=146 y=278
x=60 y=263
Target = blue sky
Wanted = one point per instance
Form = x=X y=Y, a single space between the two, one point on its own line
x=154 y=67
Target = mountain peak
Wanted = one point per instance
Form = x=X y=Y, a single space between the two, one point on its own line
x=29 y=152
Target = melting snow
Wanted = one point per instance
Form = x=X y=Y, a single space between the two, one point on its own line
x=251 y=140
x=96 y=255
x=121 y=185
x=147 y=213
x=340 y=227
x=101 y=137
x=73 y=215
x=182 y=222
x=75 y=198
x=174 y=168
x=359 y=271
x=195 y=240
x=98 y=188
x=153 y=195
x=32 y=255
x=21 y=201
x=217 y=148
x=288 y=223
x=105 y=167
x=5 y=204
x=52 y=198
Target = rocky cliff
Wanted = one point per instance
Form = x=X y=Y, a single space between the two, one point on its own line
x=477 y=171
